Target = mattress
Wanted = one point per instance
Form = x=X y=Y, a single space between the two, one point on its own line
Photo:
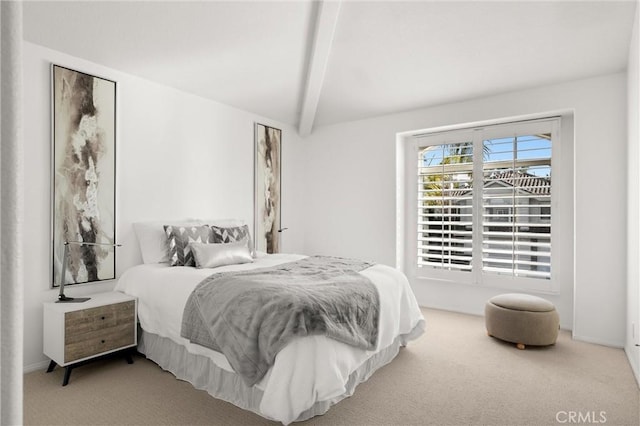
x=307 y=372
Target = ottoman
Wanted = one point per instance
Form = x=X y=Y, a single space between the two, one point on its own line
x=522 y=319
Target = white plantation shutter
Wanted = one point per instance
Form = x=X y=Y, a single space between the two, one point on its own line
x=484 y=201
x=516 y=206
x=445 y=206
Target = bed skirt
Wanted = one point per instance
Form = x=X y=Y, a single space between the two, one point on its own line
x=204 y=374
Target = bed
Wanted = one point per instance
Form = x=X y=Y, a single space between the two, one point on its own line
x=308 y=375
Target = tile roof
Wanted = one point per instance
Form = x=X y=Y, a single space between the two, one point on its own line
x=524 y=181
x=528 y=182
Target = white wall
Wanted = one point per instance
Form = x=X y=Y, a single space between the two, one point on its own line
x=633 y=209
x=351 y=205
x=178 y=156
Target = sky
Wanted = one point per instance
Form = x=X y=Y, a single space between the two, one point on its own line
x=525 y=147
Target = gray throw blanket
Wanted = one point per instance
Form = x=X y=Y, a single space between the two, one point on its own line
x=250 y=316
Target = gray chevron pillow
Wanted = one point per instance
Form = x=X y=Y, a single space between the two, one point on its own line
x=232 y=234
x=179 y=237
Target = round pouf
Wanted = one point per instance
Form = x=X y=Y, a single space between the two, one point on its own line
x=522 y=319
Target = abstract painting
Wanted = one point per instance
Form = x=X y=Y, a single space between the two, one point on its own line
x=268 y=142
x=83 y=175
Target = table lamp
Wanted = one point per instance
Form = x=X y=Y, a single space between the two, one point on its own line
x=61 y=297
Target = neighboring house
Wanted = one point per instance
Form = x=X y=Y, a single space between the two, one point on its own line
x=516 y=224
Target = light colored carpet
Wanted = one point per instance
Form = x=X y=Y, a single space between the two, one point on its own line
x=453 y=375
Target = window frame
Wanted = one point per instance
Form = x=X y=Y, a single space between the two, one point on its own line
x=560 y=236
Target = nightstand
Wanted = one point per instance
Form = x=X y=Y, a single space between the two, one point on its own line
x=78 y=332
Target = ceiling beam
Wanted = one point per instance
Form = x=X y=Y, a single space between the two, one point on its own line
x=326 y=20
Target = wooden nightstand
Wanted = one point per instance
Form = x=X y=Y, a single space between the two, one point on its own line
x=78 y=332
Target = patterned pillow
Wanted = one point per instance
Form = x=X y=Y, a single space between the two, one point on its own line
x=179 y=237
x=232 y=234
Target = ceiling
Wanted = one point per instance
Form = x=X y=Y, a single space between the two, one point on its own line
x=310 y=64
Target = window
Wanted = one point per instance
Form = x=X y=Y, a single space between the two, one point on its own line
x=485 y=206
x=445 y=195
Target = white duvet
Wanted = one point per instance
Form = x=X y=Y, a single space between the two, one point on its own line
x=306 y=371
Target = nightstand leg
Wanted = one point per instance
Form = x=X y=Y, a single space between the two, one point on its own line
x=52 y=365
x=67 y=374
x=127 y=356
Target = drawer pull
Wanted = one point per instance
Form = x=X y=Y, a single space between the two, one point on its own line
x=102 y=341
x=102 y=318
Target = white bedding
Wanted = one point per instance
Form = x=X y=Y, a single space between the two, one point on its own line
x=308 y=370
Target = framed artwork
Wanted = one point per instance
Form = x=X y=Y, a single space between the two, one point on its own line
x=268 y=143
x=83 y=175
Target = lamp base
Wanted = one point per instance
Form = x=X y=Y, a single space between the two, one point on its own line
x=65 y=299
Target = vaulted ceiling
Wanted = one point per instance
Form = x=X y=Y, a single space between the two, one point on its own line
x=309 y=64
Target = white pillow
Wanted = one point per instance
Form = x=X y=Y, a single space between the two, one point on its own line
x=153 y=240
x=220 y=254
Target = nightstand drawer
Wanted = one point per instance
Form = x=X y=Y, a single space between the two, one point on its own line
x=99 y=341
x=79 y=323
x=92 y=331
